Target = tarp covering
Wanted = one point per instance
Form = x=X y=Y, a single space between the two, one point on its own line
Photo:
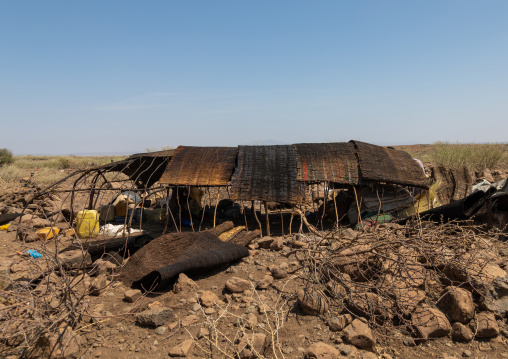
x=381 y=164
x=267 y=173
x=157 y=264
x=332 y=162
x=200 y=166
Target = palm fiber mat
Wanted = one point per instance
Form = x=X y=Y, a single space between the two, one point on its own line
x=455 y=183
x=381 y=164
x=331 y=162
x=123 y=245
x=200 y=166
x=267 y=173
x=158 y=264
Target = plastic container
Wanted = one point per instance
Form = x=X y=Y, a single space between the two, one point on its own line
x=87 y=223
x=107 y=213
x=47 y=232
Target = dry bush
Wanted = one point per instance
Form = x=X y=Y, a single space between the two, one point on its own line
x=222 y=344
x=475 y=157
x=379 y=274
x=49 y=169
x=5 y=157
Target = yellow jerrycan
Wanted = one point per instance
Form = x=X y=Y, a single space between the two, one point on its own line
x=87 y=223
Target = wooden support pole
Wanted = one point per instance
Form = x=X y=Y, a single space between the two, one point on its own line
x=216 y=204
x=257 y=219
x=267 y=219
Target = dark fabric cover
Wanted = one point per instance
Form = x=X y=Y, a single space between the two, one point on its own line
x=8 y=217
x=457 y=210
x=123 y=245
x=158 y=263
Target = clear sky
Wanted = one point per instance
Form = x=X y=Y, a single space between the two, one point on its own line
x=121 y=76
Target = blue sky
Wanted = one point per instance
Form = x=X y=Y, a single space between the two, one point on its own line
x=121 y=76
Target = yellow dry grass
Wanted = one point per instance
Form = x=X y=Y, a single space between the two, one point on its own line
x=49 y=169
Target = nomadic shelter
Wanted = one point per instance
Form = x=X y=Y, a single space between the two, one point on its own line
x=293 y=176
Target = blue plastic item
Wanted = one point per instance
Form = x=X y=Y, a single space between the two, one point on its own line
x=186 y=222
x=33 y=253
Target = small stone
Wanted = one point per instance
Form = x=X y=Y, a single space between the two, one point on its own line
x=458 y=304
x=209 y=311
x=237 y=285
x=252 y=345
x=461 y=332
x=131 y=295
x=347 y=349
x=287 y=350
x=335 y=289
x=208 y=299
x=321 y=350
x=98 y=284
x=485 y=325
x=337 y=324
x=467 y=353
x=265 y=282
x=312 y=301
x=265 y=242
x=279 y=273
x=190 y=320
x=203 y=333
x=161 y=330
x=182 y=349
x=63 y=344
x=75 y=259
x=409 y=342
x=185 y=284
x=430 y=323
x=104 y=267
x=359 y=334
x=277 y=244
x=154 y=316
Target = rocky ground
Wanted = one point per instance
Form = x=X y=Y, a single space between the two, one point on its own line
x=421 y=290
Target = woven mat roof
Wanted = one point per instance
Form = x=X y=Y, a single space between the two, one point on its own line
x=332 y=162
x=388 y=165
x=200 y=166
x=267 y=173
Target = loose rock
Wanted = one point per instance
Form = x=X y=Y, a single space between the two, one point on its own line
x=131 y=295
x=252 y=346
x=237 y=285
x=208 y=299
x=485 y=325
x=321 y=351
x=430 y=323
x=185 y=285
x=312 y=301
x=265 y=282
x=337 y=324
x=458 y=304
x=359 y=334
x=461 y=332
x=154 y=316
x=76 y=259
x=183 y=349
